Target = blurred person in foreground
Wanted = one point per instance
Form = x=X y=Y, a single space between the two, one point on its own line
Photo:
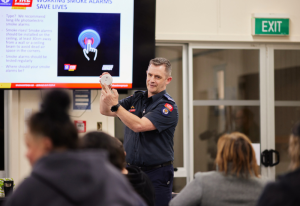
x=61 y=175
x=286 y=190
x=116 y=155
x=235 y=182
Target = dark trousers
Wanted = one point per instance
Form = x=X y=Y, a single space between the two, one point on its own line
x=162 y=180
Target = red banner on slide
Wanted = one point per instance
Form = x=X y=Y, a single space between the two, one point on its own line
x=22 y=3
x=67 y=85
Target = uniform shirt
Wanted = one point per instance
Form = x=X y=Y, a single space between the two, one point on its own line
x=156 y=146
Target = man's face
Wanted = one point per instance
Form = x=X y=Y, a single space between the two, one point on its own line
x=157 y=79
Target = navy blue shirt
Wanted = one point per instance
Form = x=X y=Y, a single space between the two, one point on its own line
x=156 y=146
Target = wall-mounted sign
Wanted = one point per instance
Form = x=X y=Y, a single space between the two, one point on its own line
x=271 y=24
x=82 y=99
x=80 y=125
x=99 y=126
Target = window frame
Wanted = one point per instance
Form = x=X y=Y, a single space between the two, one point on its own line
x=183 y=171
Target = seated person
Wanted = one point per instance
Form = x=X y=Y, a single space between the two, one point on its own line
x=62 y=176
x=138 y=179
x=285 y=191
x=235 y=182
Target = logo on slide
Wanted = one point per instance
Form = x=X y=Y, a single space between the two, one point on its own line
x=22 y=3
x=6 y=2
x=89 y=40
x=107 y=67
x=70 y=67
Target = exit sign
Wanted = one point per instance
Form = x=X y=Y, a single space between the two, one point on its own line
x=270 y=24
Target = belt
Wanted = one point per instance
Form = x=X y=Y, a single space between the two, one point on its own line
x=145 y=168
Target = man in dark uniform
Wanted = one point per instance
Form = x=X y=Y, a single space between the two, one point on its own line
x=150 y=118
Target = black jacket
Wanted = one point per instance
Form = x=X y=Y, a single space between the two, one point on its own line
x=284 y=192
x=141 y=184
x=74 y=178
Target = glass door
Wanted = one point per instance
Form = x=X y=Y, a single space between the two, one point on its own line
x=225 y=96
x=286 y=65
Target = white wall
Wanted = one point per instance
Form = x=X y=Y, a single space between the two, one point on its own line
x=19 y=167
x=220 y=20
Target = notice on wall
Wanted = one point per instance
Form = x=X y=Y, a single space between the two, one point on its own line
x=82 y=99
x=80 y=125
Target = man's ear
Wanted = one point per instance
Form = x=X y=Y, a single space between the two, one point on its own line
x=169 y=79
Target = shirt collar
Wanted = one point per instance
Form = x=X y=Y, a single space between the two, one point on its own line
x=156 y=96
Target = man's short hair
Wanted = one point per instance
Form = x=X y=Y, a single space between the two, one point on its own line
x=158 y=61
x=113 y=146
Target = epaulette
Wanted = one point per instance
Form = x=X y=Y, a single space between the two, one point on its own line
x=169 y=97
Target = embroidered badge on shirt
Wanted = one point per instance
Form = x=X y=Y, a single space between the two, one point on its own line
x=170 y=107
x=165 y=111
x=132 y=109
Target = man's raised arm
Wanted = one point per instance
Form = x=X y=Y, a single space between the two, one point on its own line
x=109 y=99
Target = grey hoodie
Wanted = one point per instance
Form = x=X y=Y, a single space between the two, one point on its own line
x=74 y=178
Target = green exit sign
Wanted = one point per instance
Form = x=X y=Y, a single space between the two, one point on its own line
x=271 y=24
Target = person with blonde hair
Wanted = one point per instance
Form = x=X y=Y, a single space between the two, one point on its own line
x=285 y=191
x=236 y=181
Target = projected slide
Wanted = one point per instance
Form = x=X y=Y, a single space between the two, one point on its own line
x=65 y=43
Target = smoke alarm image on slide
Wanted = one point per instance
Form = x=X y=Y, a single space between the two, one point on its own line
x=88 y=44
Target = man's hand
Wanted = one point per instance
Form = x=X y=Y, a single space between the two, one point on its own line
x=108 y=97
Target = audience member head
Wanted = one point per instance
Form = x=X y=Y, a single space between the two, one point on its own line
x=236 y=155
x=294 y=147
x=102 y=140
x=51 y=128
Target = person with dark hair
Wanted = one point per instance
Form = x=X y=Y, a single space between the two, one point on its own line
x=116 y=154
x=64 y=176
x=235 y=182
x=150 y=119
x=285 y=191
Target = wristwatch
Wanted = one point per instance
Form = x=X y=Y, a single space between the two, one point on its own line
x=115 y=108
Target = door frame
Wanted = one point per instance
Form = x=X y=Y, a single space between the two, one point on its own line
x=183 y=171
x=271 y=68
